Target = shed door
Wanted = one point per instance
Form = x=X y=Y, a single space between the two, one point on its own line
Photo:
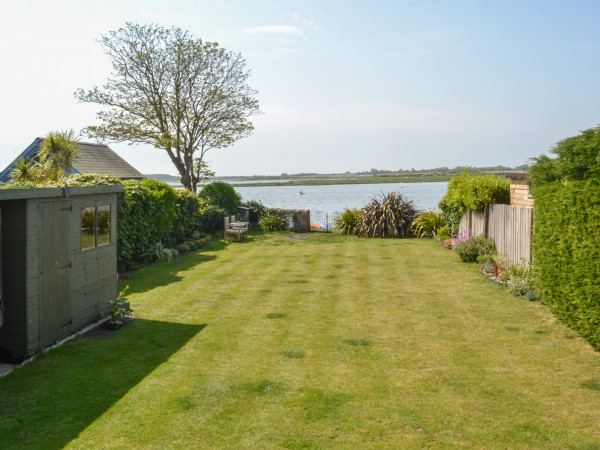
x=55 y=271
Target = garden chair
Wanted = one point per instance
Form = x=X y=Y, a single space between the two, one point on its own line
x=242 y=225
x=232 y=230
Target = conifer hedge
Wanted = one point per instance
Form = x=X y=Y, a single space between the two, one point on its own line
x=566 y=253
x=566 y=234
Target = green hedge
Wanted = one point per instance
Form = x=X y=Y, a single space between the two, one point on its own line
x=472 y=191
x=187 y=212
x=146 y=211
x=194 y=215
x=566 y=253
x=210 y=218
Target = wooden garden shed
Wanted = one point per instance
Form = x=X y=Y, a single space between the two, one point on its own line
x=59 y=262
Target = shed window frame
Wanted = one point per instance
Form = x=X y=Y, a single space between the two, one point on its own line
x=101 y=228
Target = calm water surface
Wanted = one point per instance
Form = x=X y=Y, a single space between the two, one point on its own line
x=335 y=198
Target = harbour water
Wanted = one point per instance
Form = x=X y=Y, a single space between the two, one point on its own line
x=334 y=198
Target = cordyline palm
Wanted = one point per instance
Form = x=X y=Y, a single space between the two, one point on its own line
x=57 y=154
x=26 y=170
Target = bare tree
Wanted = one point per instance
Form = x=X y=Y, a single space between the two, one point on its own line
x=174 y=92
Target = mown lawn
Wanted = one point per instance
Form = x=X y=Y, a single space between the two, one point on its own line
x=328 y=341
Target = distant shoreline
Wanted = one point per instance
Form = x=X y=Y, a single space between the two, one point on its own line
x=359 y=180
x=328 y=179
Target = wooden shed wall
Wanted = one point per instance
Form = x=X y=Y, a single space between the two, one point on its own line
x=93 y=271
x=13 y=335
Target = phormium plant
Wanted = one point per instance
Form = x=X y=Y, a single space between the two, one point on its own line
x=389 y=218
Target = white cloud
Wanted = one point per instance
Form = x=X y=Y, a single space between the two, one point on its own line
x=274 y=29
x=310 y=23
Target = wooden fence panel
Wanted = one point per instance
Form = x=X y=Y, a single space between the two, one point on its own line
x=472 y=223
x=509 y=226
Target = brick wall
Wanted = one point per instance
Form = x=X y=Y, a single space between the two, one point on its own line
x=519 y=193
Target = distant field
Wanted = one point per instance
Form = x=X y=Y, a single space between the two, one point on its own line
x=327 y=180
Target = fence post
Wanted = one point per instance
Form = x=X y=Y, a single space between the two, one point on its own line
x=486 y=219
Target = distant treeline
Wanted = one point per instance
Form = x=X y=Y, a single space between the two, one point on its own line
x=372 y=173
x=436 y=170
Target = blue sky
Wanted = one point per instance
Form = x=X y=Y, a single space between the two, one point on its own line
x=344 y=85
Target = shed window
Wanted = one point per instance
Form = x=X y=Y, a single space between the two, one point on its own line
x=95 y=226
x=103 y=227
x=88 y=236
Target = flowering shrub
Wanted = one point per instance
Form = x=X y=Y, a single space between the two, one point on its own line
x=468 y=250
x=460 y=238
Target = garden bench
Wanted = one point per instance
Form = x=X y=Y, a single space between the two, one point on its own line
x=236 y=230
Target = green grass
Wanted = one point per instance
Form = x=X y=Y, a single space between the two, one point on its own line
x=384 y=343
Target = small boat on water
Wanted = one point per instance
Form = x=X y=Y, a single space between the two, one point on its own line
x=299 y=193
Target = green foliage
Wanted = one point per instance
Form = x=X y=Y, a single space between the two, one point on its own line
x=578 y=158
x=472 y=191
x=257 y=210
x=159 y=253
x=164 y=198
x=117 y=309
x=146 y=211
x=519 y=285
x=79 y=179
x=201 y=172
x=428 y=223
x=271 y=222
x=565 y=248
x=53 y=162
x=566 y=236
x=222 y=195
x=187 y=216
x=443 y=234
x=89 y=179
x=531 y=296
x=389 y=218
x=521 y=270
x=346 y=222
x=210 y=219
x=182 y=248
x=471 y=249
